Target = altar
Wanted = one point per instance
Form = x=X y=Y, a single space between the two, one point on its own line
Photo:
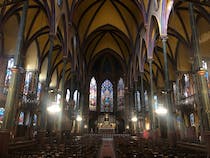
x=106 y=124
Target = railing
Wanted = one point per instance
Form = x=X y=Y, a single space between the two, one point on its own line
x=107 y=135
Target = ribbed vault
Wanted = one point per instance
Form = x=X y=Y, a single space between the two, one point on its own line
x=88 y=29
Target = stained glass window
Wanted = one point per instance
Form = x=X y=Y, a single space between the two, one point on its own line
x=8 y=76
x=205 y=66
x=76 y=98
x=21 y=118
x=192 y=119
x=120 y=95
x=93 y=95
x=146 y=101
x=28 y=79
x=187 y=85
x=107 y=96
x=58 y=98
x=1 y=114
x=34 y=120
x=175 y=92
x=138 y=101
x=67 y=95
x=39 y=90
x=27 y=119
x=155 y=102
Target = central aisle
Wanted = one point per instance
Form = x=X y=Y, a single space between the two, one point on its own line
x=107 y=148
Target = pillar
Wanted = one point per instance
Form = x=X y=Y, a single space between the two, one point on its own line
x=170 y=126
x=45 y=99
x=151 y=107
x=72 y=117
x=98 y=106
x=136 y=106
x=198 y=64
x=142 y=99
x=62 y=103
x=205 y=122
x=181 y=126
x=115 y=83
x=10 y=107
x=127 y=103
x=126 y=110
x=85 y=109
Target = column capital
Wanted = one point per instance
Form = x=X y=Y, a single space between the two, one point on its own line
x=150 y=59
x=17 y=69
x=164 y=37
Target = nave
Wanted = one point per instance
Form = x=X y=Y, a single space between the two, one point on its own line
x=106 y=146
x=100 y=68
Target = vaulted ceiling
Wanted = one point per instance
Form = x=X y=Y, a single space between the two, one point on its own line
x=86 y=31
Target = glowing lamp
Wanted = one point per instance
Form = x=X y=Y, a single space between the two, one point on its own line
x=161 y=111
x=54 y=108
x=134 y=119
x=79 y=118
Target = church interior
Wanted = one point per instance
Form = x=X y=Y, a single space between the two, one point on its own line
x=104 y=78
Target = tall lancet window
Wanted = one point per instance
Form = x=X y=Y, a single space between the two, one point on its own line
x=138 y=101
x=120 y=95
x=28 y=80
x=93 y=95
x=107 y=96
x=8 y=76
x=76 y=99
x=67 y=95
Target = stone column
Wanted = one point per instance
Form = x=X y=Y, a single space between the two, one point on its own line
x=85 y=110
x=115 y=97
x=1 y=42
x=45 y=100
x=98 y=106
x=10 y=107
x=62 y=103
x=151 y=107
x=201 y=84
x=170 y=125
x=136 y=107
x=126 y=110
x=142 y=99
